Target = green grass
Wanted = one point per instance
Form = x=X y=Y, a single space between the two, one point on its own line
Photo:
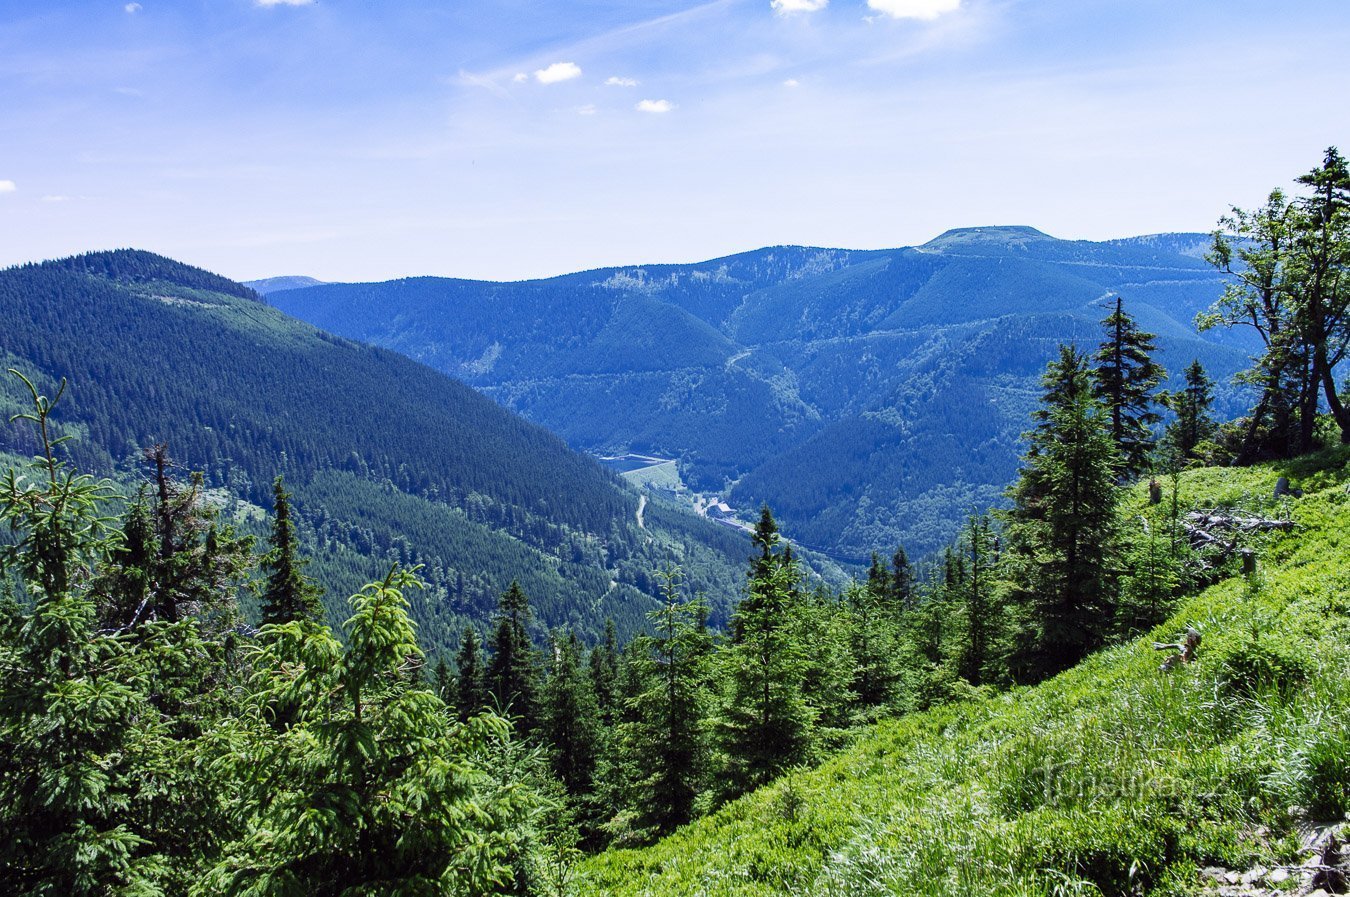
x=656 y=476
x=1113 y=778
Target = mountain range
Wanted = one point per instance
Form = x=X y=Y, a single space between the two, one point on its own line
x=388 y=461
x=871 y=398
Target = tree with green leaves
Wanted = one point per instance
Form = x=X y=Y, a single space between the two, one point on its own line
x=372 y=789
x=1323 y=244
x=1063 y=528
x=288 y=595
x=470 y=690
x=1194 y=423
x=70 y=713
x=666 y=739
x=570 y=727
x=765 y=723
x=975 y=661
x=511 y=678
x=901 y=581
x=604 y=663
x=1124 y=380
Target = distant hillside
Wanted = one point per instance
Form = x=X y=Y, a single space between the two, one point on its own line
x=289 y=282
x=388 y=459
x=869 y=397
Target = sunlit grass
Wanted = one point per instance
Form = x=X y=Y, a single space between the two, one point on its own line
x=1114 y=778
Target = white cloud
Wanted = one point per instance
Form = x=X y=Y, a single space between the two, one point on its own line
x=55 y=198
x=616 y=81
x=7 y=187
x=282 y=2
x=784 y=7
x=792 y=82
x=655 y=106
x=914 y=9
x=559 y=71
x=132 y=8
x=520 y=78
x=588 y=109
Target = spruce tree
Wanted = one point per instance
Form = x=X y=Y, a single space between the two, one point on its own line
x=765 y=723
x=570 y=728
x=975 y=659
x=1193 y=422
x=1062 y=530
x=902 y=581
x=1125 y=378
x=289 y=595
x=604 y=663
x=373 y=789
x=470 y=693
x=666 y=739
x=512 y=677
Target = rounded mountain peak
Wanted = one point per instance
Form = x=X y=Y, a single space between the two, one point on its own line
x=1012 y=236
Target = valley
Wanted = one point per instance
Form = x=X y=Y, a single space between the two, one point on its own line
x=833 y=385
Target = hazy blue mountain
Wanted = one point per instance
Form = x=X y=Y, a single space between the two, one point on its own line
x=389 y=461
x=870 y=397
x=287 y=282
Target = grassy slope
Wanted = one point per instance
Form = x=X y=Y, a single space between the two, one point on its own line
x=1112 y=778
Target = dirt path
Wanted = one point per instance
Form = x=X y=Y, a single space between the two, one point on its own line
x=642 y=506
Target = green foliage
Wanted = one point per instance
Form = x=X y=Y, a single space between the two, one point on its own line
x=386 y=461
x=870 y=398
x=1063 y=528
x=511 y=677
x=1112 y=778
x=371 y=787
x=288 y=595
x=1124 y=380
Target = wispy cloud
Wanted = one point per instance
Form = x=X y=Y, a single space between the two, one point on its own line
x=588 y=109
x=654 y=106
x=469 y=79
x=520 y=77
x=558 y=71
x=911 y=9
x=282 y=2
x=7 y=187
x=786 y=7
x=132 y=8
x=616 y=81
x=792 y=82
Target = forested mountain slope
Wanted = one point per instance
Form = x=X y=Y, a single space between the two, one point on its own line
x=387 y=459
x=871 y=398
x=1117 y=777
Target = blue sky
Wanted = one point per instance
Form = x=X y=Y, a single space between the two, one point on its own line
x=354 y=140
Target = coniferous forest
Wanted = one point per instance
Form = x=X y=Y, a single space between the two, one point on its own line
x=1129 y=673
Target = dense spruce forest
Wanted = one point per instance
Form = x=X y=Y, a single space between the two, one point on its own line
x=870 y=398
x=387 y=460
x=982 y=721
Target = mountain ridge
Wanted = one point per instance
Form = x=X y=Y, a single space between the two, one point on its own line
x=840 y=359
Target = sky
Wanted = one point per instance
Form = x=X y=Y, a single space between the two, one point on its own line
x=507 y=139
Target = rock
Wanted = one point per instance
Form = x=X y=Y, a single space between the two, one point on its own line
x=1278 y=876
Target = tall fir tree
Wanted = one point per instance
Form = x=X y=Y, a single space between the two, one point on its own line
x=666 y=737
x=1125 y=378
x=1062 y=529
x=975 y=660
x=765 y=723
x=570 y=725
x=1193 y=423
x=470 y=693
x=512 y=674
x=289 y=594
x=604 y=663
x=902 y=581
